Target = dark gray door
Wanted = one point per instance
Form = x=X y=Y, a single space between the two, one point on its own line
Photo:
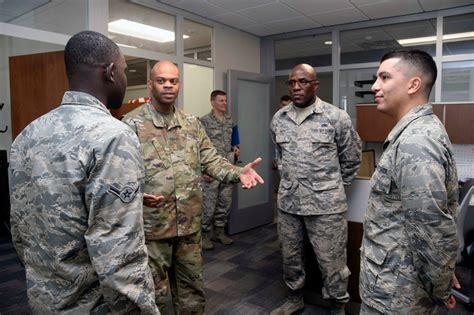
x=250 y=106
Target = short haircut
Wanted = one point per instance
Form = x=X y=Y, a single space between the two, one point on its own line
x=421 y=61
x=216 y=93
x=88 y=48
x=285 y=98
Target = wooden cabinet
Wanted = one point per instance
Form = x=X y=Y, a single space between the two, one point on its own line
x=37 y=85
x=372 y=125
x=459 y=123
x=458 y=118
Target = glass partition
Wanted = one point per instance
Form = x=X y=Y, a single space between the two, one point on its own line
x=136 y=26
x=458 y=81
x=59 y=16
x=197 y=40
x=458 y=34
x=315 y=50
x=370 y=44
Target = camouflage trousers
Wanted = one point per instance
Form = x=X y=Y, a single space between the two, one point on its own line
x=176 y=263
x=328 y=237
x=217 y=199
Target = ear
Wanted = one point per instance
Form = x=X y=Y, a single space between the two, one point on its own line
x=109 y=72
x=414 y=85
x=316 y=85
x=149 y=84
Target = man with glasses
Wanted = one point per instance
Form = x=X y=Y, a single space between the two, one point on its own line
x=176 y=152
x=320 y=152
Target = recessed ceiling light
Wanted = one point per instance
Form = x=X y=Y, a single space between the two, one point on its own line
x=142 y=31
x=132 y=70
x=328 y=42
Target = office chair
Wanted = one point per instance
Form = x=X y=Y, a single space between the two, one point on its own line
x=465 y=224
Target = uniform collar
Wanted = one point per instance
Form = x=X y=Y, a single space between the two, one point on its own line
x=317 y=108
x=158 y=119
x=414 y=113
x=84 y=99
x=216 y=118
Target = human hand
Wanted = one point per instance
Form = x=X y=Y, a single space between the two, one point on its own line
x=249 y=177
x=207 y=178
x=451 y=304
x=152 y=201
x=236 y=150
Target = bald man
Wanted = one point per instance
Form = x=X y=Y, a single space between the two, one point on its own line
x=177 y=151
x=319 y=151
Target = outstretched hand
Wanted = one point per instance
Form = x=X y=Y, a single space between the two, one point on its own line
x=152 y=201
x=249 y=177
x=452 y=300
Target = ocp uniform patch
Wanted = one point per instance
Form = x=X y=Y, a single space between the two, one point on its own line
x=126 y=194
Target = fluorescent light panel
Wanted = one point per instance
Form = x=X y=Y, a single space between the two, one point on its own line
x=142 y=31
x=432 y=39
x=129 y=46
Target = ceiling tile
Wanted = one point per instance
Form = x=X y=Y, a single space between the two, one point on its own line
x=269 y=12
x=340 y=17
x=383 y=9
x=358 y=3
x=170 y=2
x=430 y=5
x=293 y=24
x=259 y=30
x=234 y=20
x=309 y=7
x=198 y=7
x=234 y=5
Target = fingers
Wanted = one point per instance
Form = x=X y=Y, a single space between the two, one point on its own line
x=255 y=162
x=152 y=201
x=455 y=283
x=451 y=302
x=252 y=182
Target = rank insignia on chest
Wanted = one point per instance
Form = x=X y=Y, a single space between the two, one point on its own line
x=126 y=194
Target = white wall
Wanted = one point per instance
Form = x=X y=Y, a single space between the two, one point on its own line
x=197 y=89
x=235 y=50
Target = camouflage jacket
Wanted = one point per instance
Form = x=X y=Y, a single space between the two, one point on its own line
x=76 y=217
x=220 y=133
x=410 y=240
x=175 y=157
x=317 y=157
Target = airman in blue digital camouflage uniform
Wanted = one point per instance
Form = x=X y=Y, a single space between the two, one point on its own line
x=319 y=152
x=217 y=196
x=410 y=241
x=77 y=210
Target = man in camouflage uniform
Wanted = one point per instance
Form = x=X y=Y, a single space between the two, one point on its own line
x=217 y=196
x=319 y=152
x=176 y=151
x=410 y=241
x=76 y=217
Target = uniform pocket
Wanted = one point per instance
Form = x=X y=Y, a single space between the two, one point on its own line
x=191 y=152
x=372 y=266
x=381 y=181
x=326 y=185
